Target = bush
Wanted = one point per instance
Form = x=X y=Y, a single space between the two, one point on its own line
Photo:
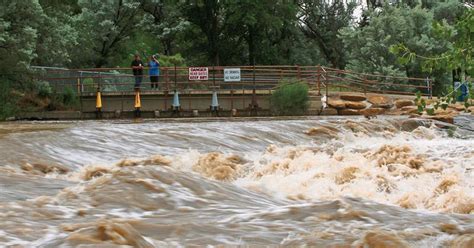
x=8 y=106
x=88 y=85
x=69 y=97
x=291 y=98
x=170 y=61
x=44 y=89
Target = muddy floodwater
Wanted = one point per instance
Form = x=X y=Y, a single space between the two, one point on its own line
x=331 y=182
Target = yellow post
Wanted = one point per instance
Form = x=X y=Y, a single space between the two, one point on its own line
x=138 y=103
x=98 y=101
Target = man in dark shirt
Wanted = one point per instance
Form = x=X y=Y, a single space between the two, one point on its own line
x=137 y=67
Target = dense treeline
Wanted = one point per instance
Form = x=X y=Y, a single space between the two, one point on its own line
x=355 y=35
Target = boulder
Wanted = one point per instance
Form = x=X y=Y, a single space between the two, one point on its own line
x=372 y=111
x=443 y=118
x=353 y=97
x=379 y=101
x=410 y=109
x=441 y=111
x=355 y=105
x=322 y=131
x=348 y=112
x=328 y=111
x=471 y=109
x=400 y=103
x=458 y=107
x=337 y=104
x=409 y=125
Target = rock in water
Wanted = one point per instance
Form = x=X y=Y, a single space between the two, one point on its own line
x=400 y=103
x=353 y=97
x=379 y=101
x=355 y=105
x=464 y=122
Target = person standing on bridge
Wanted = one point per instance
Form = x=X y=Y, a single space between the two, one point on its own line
x=154 y=71
x=137 y=68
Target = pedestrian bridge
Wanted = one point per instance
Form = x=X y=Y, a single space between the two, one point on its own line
x=249 y=93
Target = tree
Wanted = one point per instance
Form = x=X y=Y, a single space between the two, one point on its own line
x=458 y=57
x=104 y=25
x=57 y=36
x=19 y=24
x=321 y=21
x=165 y=21
x=264 y=26
x=208 y=16
x=368 y=47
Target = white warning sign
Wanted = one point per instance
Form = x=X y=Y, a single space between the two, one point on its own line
x=232 y=75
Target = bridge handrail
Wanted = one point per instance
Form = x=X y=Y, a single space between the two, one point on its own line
x=261 y=76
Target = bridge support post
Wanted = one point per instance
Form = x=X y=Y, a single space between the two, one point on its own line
x=98 y=104
x=254 y=104
x=214 y=104
x=138 y=103
x=176 y=105
x=319 y=79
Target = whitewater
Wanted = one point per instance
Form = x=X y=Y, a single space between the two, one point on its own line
x=316 y=182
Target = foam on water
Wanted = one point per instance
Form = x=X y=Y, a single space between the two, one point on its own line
x=378 y=183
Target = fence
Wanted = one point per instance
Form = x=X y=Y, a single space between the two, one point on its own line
x=320 y=79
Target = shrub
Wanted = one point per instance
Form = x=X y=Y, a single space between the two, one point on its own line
x=8 y=106
x=420 y=109
x=444 y=105
x=177 y=60
x=291 y=98
x=69 y=97
x=88 y=85
x=44 y=89
x=430 y=111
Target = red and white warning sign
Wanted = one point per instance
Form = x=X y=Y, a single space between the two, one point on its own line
x=198 y=73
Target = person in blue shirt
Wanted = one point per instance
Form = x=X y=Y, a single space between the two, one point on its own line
x=154 y=71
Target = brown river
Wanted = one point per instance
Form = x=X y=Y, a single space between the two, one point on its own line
x=305 y=182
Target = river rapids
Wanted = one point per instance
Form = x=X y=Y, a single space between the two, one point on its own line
x=312 y=182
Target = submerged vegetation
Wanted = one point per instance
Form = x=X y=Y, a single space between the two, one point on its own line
x=397 y=38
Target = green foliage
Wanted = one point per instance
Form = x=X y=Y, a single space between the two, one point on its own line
x=423 y=103
x=171 y=60
x=444 y=105
x=427 y=38
x=430 y=111
x=89 y=85
x=418 y=95
x=291 y=98
x=104 y=26
x=459 y=52
x=420 y=109
x=324 y=31
x=44 y=89
x=369 y=46
x=69 y=97
x=8 y=105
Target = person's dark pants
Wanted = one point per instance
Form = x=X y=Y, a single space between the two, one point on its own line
x=154 y=82
x=138 y=81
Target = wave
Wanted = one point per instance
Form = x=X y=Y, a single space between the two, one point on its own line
x=350 y=183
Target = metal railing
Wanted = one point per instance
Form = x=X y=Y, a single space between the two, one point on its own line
x=88 y=81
